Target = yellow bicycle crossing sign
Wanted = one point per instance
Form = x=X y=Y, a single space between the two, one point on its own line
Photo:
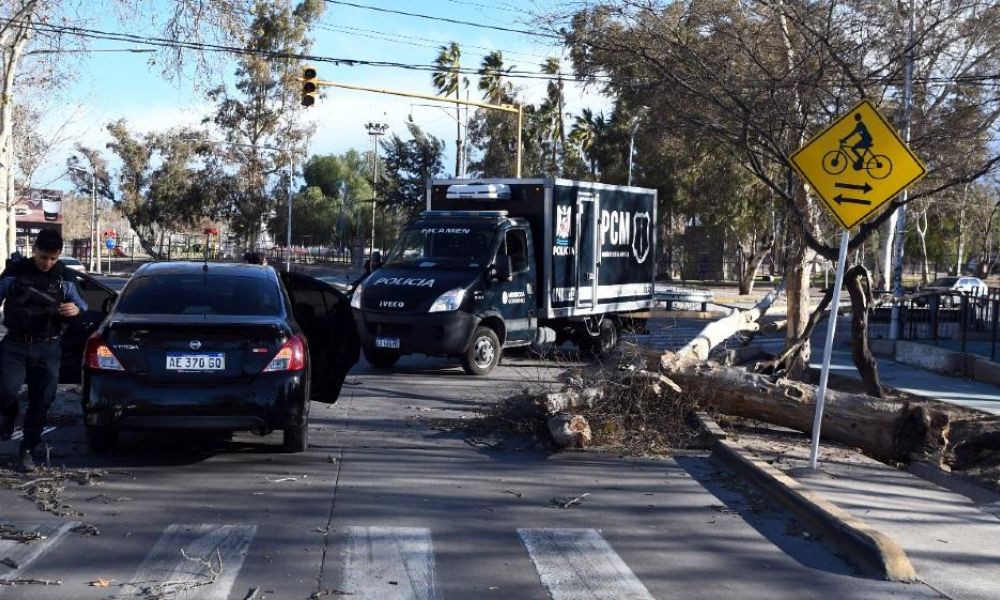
x=857 y=164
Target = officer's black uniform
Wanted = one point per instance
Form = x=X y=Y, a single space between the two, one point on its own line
x=30 y=351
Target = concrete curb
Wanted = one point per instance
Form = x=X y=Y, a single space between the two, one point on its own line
x=860 y=542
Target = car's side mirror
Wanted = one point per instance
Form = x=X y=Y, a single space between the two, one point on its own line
x=503 y=271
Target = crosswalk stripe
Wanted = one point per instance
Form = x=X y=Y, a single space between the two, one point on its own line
x=22 y=554
x=578 y=564
x=389 y=563
x=193 y=561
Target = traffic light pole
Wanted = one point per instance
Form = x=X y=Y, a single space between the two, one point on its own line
x=510 y=108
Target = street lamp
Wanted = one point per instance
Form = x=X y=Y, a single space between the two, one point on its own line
x=375 y=131
x=636 y=121
x=93 y=216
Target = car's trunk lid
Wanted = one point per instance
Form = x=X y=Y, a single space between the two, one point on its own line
x=195 y=349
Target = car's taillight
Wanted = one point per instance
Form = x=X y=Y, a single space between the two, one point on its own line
x=99 y=356
x=291 y=356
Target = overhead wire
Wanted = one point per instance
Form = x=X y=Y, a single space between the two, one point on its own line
x=210 y=47
x=442 y=19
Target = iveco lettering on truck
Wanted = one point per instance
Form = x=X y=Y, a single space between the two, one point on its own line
x=506 y=263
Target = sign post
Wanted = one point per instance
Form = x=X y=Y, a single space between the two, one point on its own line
x=855 y=165
x=824 y=376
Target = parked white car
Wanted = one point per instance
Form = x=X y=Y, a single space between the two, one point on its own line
x=71 y=263
x=969 y=286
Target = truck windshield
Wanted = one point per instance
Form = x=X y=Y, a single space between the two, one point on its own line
x=456 y=245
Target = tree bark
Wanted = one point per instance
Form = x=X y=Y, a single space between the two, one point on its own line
x=886 y=233
x=14 y=36
x=716 y=332
x=921 y=227
x=856 y=282
x=889 y=430
x=751 y=266
x=797 y=313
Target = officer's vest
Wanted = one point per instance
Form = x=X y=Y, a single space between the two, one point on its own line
x=32 y=304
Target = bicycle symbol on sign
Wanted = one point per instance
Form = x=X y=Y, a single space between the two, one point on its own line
x=859 y=154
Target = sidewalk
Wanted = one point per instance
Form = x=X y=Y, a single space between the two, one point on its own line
x=952 y=543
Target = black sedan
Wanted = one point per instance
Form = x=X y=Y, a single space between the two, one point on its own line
x=211 y=346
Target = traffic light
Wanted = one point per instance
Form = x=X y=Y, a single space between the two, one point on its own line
x=309 y=86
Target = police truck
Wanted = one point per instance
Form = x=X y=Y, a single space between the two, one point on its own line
x=494 y=264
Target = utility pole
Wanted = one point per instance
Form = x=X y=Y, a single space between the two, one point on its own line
x=898 y=241
x=288 y=231
x=91 y=266
x=375 y=131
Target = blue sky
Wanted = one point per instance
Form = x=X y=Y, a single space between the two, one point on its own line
x=122 y=85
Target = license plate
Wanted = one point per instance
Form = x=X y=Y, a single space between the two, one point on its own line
x=196 y=362
x=386 y=342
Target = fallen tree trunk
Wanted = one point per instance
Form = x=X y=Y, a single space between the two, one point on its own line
x=716 y=332
x=569 y=431
x=888 y=430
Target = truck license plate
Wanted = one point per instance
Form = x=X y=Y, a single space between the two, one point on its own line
x=386 y=342
x=196 y=362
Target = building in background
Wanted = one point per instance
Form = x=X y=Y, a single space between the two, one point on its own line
x=36 y=210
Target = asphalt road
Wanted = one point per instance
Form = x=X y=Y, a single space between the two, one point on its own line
x=388 y=503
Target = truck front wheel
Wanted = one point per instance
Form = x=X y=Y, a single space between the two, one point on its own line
x=483 y=353
x=381 y=359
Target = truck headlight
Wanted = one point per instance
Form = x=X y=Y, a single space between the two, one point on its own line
x=356 y=297
x=448 y=301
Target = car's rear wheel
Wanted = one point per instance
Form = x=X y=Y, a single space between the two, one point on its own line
x=296 y=439
x=604 y=342
x=382 y=359
x=101 y=439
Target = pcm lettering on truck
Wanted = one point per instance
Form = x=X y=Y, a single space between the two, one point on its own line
x=409 y=281
x=625 y=229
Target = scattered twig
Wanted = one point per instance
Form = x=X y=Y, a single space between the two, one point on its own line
x=14 y=582
x=568 y=501
x=281 y=479
x=252 y=594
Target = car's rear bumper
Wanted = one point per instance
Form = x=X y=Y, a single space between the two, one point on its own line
x=269 y=402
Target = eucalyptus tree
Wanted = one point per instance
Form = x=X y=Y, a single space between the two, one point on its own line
x=258 y=117
x=35 y=36
x=760 y=77
x=162 y=181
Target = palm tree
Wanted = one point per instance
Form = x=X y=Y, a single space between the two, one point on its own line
x=492 y=79
x=585 y=133
x=552 y=111
x=448 y=80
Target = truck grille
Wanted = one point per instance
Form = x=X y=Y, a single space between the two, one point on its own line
x=399 y=330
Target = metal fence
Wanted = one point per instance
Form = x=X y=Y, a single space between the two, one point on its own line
x=954 y=319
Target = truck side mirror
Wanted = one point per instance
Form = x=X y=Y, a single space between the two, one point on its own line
x=503 y=271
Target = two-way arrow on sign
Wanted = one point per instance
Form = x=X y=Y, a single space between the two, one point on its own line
x=841 y=199
x=853 y=186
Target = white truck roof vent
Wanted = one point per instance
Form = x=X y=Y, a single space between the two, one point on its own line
x=479 y=191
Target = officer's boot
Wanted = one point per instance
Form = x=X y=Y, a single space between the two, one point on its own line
x=25 y=462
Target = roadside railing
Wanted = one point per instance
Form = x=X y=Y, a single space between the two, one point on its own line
x=950 y=318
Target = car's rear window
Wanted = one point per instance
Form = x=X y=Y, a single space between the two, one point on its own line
x=200 y=295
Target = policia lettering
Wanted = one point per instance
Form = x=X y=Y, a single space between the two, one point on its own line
x=37 y=298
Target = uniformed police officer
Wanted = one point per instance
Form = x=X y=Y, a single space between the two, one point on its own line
x=37 y=298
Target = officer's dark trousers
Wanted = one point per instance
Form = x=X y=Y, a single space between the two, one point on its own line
x=38 y=364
